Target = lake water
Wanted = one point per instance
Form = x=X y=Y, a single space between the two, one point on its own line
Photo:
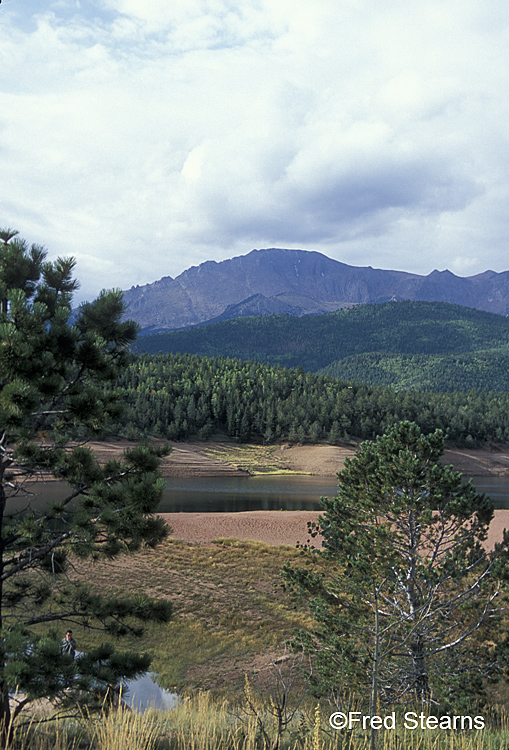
x=235 y=494
x=265 y=492
x=278 y=492
x=143 y=694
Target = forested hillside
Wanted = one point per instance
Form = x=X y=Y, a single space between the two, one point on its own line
x=484 y=370
x=180 y=396
x=428 y=345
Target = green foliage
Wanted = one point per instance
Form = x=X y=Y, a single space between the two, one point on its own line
x=39 y=669
x=484 y=370
x=431 y=345
x=54 y=374
x=181 y=395
x=402 y=590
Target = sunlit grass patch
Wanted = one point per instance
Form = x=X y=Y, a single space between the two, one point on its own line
x=190 y=645
x=257 y=459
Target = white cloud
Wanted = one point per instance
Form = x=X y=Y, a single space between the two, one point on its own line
x=145 y=137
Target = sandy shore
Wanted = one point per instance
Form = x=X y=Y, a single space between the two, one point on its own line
x=272 y=527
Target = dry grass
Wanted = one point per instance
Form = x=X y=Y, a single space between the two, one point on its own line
x=231 y=617
x=257 y=459
x=204 y=724
x=230 y=611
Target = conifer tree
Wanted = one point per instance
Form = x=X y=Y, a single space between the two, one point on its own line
x=403 y=583
x=52 y=371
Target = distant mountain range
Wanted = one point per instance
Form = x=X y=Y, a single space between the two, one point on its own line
x=297 y=283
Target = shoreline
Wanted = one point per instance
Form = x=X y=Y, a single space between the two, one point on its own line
x=224 y=459
x=217 y=458
x=272 y=527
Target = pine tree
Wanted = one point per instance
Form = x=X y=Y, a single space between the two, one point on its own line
x=53 y=370
x=403 y=584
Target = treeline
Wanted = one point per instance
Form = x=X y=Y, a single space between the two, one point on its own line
x=181 y=396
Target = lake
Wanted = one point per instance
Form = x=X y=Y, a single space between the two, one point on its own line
x=276 y=492
x=263 y=492
x=235 y=494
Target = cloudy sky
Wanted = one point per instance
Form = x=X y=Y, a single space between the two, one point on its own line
x=147 y=136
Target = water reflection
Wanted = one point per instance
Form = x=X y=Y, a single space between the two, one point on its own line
x=237 y=494
x=496 y=487
x=279 y=492
x=144 y=694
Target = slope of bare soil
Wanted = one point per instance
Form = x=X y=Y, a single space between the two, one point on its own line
x=272 y=527
x=484 y=462
x=185 y=459
x=218 y=458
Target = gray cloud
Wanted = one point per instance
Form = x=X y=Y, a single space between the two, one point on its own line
x=147 y=137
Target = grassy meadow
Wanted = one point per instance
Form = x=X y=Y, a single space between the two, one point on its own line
x=224 y=653
x=231 y=615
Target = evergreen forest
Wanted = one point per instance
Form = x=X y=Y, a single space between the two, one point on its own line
x=406 y=345
x=486 y=370
x=179 y=396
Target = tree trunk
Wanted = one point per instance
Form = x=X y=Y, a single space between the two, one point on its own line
x=419 y=674
x=418 y=681
x=373 y=708
x=5 y=710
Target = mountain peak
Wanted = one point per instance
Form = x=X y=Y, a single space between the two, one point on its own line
x=297 y=282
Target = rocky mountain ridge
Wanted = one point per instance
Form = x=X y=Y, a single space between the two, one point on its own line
x=297 y=282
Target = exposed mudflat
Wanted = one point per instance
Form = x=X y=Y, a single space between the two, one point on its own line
x=272 y=527
x=214 y=458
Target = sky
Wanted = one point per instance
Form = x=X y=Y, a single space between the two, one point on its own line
x=144 y=137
